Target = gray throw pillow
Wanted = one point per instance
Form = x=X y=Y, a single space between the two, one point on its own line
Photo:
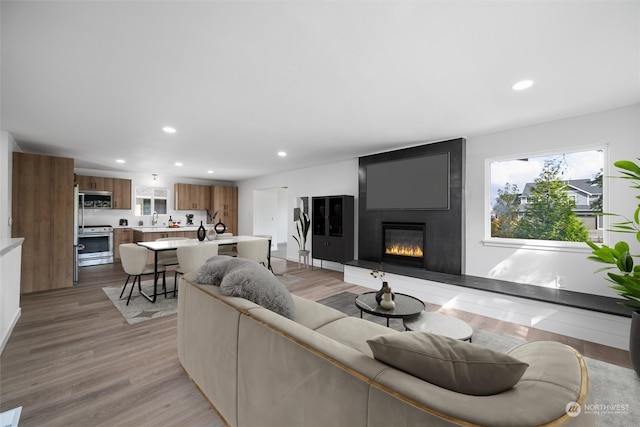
x=253 y=281
x=212 y=272
x=449 y=363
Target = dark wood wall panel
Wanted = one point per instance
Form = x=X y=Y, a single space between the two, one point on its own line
x=444 y=228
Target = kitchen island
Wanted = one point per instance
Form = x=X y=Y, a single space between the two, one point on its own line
x=150 y=234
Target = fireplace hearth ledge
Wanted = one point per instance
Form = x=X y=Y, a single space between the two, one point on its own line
x=564 y=297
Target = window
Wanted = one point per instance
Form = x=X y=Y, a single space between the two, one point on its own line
x=554 y=197
x=150 y=199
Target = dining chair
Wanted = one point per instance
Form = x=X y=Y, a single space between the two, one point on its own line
x=190 y=258
x=256 y=250
x=230 y=250
x=269 y=238
x=166 y=258
x=134 y=262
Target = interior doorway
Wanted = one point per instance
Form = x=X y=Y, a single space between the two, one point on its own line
x=270 y=217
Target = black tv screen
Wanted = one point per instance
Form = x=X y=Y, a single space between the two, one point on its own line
x=411 y=183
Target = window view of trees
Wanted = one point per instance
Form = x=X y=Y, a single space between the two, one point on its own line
x=560 y=198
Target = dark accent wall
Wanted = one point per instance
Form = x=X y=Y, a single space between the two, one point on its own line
x=444 y=249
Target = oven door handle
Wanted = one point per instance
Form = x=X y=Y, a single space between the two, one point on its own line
x=85 y=235
x=80 y=247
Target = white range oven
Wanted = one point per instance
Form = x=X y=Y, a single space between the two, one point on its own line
x=95 y=245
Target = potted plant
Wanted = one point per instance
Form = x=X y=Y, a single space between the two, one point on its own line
x=625 y=278
x=303 y=223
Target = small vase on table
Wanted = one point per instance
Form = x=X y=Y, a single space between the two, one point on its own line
x=387 y=301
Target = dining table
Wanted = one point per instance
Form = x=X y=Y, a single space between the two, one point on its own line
x=158 y=246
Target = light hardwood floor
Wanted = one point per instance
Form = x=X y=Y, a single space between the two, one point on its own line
x=72 y=359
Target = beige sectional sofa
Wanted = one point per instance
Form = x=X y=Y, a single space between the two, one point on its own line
x=258 y=368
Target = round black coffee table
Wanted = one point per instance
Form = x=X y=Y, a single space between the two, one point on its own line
x=406 y=306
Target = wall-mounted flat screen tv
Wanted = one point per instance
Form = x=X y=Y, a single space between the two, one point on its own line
x=410 y=183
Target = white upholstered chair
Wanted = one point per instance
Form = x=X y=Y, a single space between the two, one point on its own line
x=168 y=257
x=134 y=262
x=190 y=258
x=230 y=250
x=257 y=250
x=268 y=237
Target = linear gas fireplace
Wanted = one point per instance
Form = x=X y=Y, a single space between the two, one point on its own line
x=404 y=243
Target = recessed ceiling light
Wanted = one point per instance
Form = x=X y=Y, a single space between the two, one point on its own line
x=209 y=171
x=178 y=164
x=120 y=161
x=282 y=153
x=522 y=85
x=169 y=129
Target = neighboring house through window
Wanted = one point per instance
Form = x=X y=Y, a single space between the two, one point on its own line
x=554 y=197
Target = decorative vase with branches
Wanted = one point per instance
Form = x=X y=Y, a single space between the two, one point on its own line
x=303 y=224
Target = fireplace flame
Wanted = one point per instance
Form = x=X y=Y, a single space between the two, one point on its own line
x=404 y=250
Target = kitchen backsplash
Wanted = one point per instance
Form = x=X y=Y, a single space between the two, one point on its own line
x=113 y=217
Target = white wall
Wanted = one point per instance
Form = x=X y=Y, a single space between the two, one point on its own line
x=113 y=216
x=7 y=147
x=10 y=264
x=619 y=129
x=10 y=251
x=326 y=180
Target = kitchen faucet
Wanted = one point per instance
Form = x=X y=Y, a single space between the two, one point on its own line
x=154 y=218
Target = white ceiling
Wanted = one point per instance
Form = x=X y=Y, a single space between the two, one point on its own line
x=324 y=81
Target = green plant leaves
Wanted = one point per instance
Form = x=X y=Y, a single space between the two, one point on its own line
x=627 y=283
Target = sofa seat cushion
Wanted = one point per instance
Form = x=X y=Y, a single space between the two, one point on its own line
x=452 y=364
x=551 y=362
x=314 y=315
x=354 y=332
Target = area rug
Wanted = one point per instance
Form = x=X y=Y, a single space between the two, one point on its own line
x=140 y=309
x=615 y=389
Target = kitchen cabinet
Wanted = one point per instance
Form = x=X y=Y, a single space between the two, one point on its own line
x=120 y=188
x=42 y=212
x=121 y=193
x=150 y=236
x=95 y=183
x=332 y=225
x=121 y=235
x=224 y=200
x=191 y=197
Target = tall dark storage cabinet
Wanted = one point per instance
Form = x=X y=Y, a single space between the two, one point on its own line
x=332 y=225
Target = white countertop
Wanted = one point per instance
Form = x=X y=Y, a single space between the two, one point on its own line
x=6 y=245
x=163 y=229
x=165 y=245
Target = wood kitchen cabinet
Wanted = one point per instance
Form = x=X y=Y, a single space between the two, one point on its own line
x=121 y=188
x=42 y=212
x=121 y=235
x=224 y=200
x=95 y=183
x=139 y=236
x=121 y=193
x=191 y=197
x=332 y=225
